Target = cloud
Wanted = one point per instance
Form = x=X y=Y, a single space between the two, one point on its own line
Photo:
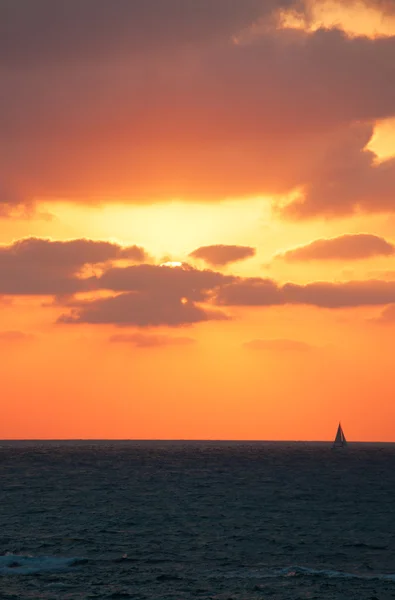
x=67 y=255
x=348 y=179
x=134 y=253
x=265 y=292
x=150 y=341
x=156 y=306
x=344 y=247
x=152 y=296
x=15 y=336
x=142 y=310
x=180 y=282
x=147 y=294
x=179 y=110
x=253 y=291
x=35 y=266
x=279 y=345
x=11 y=203
x=101 y=29
x=221 y=255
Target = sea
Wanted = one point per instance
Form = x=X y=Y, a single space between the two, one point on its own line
x=196 y=520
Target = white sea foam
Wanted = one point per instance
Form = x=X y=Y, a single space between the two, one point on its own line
x=15 y=564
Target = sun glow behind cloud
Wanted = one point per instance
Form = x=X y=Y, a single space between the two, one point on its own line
x=168 y=228
x=383 y=140
x=355 y=19
x=172 y=263
x=191 y=147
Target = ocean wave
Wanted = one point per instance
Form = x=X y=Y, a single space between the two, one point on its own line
x=15 y=564
x=331 y=574
x=300 y=571
x=363 y=545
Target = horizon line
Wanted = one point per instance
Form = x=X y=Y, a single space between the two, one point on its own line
x=277 y=441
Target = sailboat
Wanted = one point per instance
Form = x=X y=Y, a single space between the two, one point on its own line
x=340 y=439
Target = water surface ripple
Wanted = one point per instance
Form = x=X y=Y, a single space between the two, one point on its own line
x=207 y=520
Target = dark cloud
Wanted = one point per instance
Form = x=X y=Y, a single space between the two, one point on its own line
x=38 y=281
x=11 y=203
x=141 y=340
x=291 y=110
x=344 y=247
x=142 y=310
x=155 y=305
x=68 y=256
x=180 y=282
x=279 y=345
x=252 y=291
x=261 y=292
x=221 y=255
x=41 y=32
x=154 y=295
x=134 y=253
x=338 y=295
x=348 y=179
x=35 y=266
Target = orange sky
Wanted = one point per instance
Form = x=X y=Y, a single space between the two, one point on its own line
x=254 y=145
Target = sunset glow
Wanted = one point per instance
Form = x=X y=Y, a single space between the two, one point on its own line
x=197 y=210
x=172 y=263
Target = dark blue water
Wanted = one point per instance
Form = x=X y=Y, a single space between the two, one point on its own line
x=152 y=520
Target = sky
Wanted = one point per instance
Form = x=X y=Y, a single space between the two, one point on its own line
x=197 y=219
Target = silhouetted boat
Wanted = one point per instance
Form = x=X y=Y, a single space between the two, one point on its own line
x=340 y=439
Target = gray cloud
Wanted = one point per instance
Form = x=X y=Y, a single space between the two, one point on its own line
x=102 y=130
x=260 y=292
x=250 y=292
x=153 y=295
x=11 y=202
x=34 y=266
x=67 y=255
x=221 y=255
x=142 y=310
x=348 y=179
x=40 y=32
x=345 y=247
x=181 y=282
x=150 y=307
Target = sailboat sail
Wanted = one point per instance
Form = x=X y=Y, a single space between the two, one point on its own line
x=340 y=439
